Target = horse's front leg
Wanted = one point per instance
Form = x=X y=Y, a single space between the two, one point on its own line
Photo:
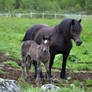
x=51 y=62
x=63 y=71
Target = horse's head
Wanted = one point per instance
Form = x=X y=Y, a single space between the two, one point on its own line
x=75 y=31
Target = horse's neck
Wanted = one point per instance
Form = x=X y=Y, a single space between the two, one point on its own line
x=61 y=33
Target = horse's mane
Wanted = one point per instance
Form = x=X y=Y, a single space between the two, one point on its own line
x=65 y=26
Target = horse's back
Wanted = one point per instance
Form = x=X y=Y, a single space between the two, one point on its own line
x=32 y=30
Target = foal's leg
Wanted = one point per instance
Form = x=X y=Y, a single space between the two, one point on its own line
x=47 y=75
x=23 y=67
x=63 y=72
x=28 y=66
x=35 y=66
x=38 y=72
x=52 y=56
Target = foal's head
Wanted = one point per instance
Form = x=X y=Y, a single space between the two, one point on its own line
x=45 y=44
x=75 y=31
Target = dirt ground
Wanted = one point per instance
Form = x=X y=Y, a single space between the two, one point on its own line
x=14 y=74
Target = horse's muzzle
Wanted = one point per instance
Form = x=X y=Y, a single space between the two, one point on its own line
x=78 y=42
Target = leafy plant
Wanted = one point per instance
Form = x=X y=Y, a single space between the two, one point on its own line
x=73 y=57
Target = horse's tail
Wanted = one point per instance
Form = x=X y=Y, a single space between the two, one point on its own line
x=33 y=29
x=28 y=35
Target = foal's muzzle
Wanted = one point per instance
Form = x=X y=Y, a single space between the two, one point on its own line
x=78 y=42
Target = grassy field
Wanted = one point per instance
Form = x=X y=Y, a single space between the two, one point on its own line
x=12 y=31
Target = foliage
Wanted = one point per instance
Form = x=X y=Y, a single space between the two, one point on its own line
x=47 y=5
x=73 y=58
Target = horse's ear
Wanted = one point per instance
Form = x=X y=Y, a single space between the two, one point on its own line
x=80 y=21
x=72 y=21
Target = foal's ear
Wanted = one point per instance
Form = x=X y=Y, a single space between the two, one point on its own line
x=80 y=21
x=49 y=37
x=43 y=37
x=72 y=21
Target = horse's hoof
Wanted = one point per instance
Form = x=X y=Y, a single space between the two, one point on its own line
x=63 y=77
x=41 y=76
x=51 y=76
x=35 y=76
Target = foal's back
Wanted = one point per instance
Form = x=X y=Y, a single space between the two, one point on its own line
x=25 y=47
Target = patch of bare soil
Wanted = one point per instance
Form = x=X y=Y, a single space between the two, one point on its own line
x=3 y=58
x=14 y=74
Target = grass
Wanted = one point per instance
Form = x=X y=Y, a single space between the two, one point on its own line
x=12 y=31
x=2 y=72
x=12 y=64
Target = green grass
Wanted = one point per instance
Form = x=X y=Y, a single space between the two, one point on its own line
x=2 y=72
x=12 y=64
x=12 y=31
x=88 y=82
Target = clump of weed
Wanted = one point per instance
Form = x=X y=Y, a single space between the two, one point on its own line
x=26 y=87
x=77 y=83
x=85 y=52
x=73 y=58
x=12 y=64
x=2 y=72
x=88 y=82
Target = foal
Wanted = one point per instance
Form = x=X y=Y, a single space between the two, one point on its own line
x=32 y=52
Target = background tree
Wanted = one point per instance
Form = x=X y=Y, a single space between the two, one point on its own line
x=47 y=5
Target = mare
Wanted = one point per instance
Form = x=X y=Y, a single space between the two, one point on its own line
x=61 y=39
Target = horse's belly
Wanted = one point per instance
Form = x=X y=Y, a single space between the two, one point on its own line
x=60 y=49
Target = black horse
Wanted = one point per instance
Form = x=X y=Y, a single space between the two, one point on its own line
x=61 y=39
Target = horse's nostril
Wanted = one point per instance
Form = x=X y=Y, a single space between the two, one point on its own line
x=78 y=43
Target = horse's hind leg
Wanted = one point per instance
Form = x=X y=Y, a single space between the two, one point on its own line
x=35 y=66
